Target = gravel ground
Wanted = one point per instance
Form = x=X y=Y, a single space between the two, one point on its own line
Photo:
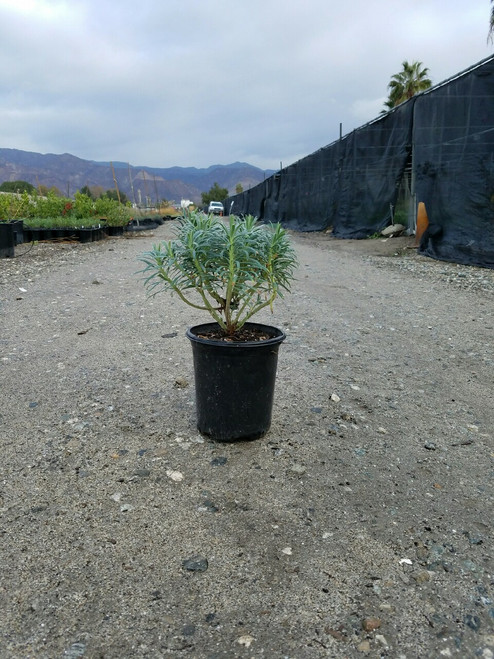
x=360 y=526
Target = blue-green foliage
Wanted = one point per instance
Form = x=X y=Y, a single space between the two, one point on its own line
x=232 y=269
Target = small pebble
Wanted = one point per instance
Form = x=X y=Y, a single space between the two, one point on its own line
x=371 y=624
x=76 y=650
x=176 y=476
x=181 y=383
x=142 y=473
x=195 y=564
x=208 y=506
x=246 y=640
x=421 y=577
x=472 y=621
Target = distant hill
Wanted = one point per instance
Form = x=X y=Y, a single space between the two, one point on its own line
x=69 y=174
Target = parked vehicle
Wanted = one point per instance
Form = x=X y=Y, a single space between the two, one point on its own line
x=216 y=208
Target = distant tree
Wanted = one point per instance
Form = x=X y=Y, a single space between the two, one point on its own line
x=215 y=194
x=17 y=186
x=43 y=190
x=97 y=191
x=238 y=188
x=112 y=194
x=411 y=80
x=87 y=191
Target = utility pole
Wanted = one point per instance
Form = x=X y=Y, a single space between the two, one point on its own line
x=115 y=181
x=147 y=198
x=156 y=192
x=132 y=186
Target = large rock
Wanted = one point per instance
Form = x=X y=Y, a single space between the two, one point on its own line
x=393 y=230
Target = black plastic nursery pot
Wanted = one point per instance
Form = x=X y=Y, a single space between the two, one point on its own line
x=7 y=240
x=86 y=235
x=143 y=224
x=114 y=230
x=98 y=234
x=234 y=383
x=32 y=234
x=18 y=231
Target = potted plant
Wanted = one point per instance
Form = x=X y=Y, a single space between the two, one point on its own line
x=232 y=269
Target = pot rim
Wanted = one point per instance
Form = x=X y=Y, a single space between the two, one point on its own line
x=278 y=335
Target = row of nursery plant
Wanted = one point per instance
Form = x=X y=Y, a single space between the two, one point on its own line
x=63 y=222
x=62 y=211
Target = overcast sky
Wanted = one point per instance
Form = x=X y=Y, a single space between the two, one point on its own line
x=202 y=82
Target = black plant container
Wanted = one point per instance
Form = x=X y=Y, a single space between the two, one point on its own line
x=234 y=383
x=85 y=235
x=98 y=233
x=69 y=234
x=114 y=231
x=7 y=240
x=59 y=234
x=37 y=234
x=28 y=235
x=142 y=224
x=18 y=231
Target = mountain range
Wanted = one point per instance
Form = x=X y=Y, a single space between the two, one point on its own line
x=69 y=173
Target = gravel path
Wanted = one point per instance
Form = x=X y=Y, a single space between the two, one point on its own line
x=360 y=526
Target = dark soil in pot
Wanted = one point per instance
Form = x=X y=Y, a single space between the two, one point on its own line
x=248 y=333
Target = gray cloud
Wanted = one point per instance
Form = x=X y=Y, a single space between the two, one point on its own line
x=195 y=82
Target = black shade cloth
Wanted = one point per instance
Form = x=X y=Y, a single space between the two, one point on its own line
x=446 y=136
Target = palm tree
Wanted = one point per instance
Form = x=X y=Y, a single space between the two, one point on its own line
x=491 y=24
x=411 y=80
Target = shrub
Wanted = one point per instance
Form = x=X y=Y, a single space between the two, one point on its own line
x=234 y=268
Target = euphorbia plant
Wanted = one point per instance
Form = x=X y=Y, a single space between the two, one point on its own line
x=231 y=269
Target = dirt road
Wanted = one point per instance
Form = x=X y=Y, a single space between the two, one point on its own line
x=360 y=526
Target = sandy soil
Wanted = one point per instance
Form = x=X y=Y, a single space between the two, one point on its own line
x=359 y=526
